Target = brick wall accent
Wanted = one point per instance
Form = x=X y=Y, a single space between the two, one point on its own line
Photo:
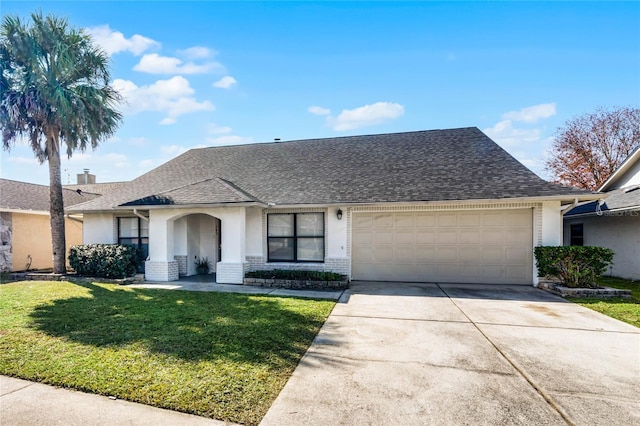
x=230 y=273
x=182 y=264
x=338 y=265
x=161 y=271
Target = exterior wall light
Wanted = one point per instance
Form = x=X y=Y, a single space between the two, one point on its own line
x=339 y=214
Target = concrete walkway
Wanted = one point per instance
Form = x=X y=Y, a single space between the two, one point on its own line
x=199 y=285
x=419 y=354
x=34 y=404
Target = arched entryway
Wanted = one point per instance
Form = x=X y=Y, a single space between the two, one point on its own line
x=196 y=236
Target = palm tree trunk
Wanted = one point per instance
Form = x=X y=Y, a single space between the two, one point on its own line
x=56 y=208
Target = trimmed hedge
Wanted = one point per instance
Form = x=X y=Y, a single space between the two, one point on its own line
x=104 y=260
x=575 y=266
x=283 y=274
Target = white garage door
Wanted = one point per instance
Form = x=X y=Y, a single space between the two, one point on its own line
x=457 y=246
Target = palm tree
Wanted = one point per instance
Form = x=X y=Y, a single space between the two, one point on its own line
x=54 y=94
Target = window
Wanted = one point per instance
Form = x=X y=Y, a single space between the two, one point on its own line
x=577 y=234
x=295 y=237
x=134 y=231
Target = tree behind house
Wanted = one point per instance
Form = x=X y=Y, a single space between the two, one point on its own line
x=589 y=148
x=54 y=94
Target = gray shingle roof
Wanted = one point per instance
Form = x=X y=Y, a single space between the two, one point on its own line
x=435 y=165
x=618 y=199
x=15 y=195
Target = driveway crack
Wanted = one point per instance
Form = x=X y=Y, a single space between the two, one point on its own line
x=547 y=397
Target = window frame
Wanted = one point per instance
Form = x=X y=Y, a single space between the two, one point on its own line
x=139 y=245
x=574 y=239
x=295 y=237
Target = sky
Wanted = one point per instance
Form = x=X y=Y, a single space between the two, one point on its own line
x=209 y=73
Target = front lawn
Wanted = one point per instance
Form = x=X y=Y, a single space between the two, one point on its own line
x=219 y=355
x=627 y=310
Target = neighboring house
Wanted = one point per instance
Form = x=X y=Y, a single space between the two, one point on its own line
x=438 y=206
x=25 y=225
x=613 y=222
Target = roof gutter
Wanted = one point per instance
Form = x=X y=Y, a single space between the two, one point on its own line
x=566 y=210
x=75 y=219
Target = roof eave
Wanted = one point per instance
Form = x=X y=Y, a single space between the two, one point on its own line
x=626 y=165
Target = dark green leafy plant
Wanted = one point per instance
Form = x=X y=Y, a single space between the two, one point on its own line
x=282 y=274
x=575 y=266
x=104 y=260
x=203 y=266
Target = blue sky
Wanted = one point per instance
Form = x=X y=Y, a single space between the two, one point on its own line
x=205 y=73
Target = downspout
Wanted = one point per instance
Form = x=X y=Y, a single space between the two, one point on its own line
x=135 y=211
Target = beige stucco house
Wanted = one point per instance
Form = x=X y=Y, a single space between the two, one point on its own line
x=613 y=221
x=25 y=229
x=426 y=206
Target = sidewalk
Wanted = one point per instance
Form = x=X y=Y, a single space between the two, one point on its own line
x=35 y=404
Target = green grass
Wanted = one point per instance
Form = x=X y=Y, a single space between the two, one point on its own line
x=627 y=310
x=219 y=355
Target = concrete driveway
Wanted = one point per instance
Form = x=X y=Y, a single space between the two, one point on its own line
x=416 y=354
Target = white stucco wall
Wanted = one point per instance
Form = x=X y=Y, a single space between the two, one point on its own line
x=254 y=231
x=619 y=233
x=551 y=231
x=99 y=228
x=337 y=233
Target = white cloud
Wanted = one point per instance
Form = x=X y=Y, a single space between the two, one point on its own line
x=114 y=41
x=229 y=140
x=225 y=82
x=23 y=160
x=506 y=135
x=173 y=97
x=318 y=110
x=531 y=114
x=197 y=52
x=153 y=63
x=367 y=115
x=214 y=129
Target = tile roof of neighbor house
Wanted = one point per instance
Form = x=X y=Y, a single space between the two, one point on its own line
x=435 y=165
x=15 y=195
x=96 y=188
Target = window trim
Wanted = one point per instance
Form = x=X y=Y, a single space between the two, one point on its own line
x=295 y=238
x=139 y=237
x=572 y=234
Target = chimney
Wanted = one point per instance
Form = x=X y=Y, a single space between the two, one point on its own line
x=86 y=178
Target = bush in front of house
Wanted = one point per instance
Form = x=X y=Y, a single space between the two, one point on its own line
x=283 y=274
x=575 y=266
x=104 y=260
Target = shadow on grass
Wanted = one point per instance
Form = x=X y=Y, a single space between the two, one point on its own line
x=188 y=325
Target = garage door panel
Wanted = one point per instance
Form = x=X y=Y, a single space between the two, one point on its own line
x=447 y=236
x=458 y=246
x=425 y=254
x=403 y=237
x=447 y=219
x=446 y=254
x=425 y=220
x=470 y=255
x=404 y=221
x=469 y=219
x=383 y=221
x=425 y=237
x=383 y=237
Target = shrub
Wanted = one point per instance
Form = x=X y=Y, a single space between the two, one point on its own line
x=283 y=274
x=104 y=260
x=575 y=266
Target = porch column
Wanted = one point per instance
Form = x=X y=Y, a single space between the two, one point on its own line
x=161 y=265
x=230 y=269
